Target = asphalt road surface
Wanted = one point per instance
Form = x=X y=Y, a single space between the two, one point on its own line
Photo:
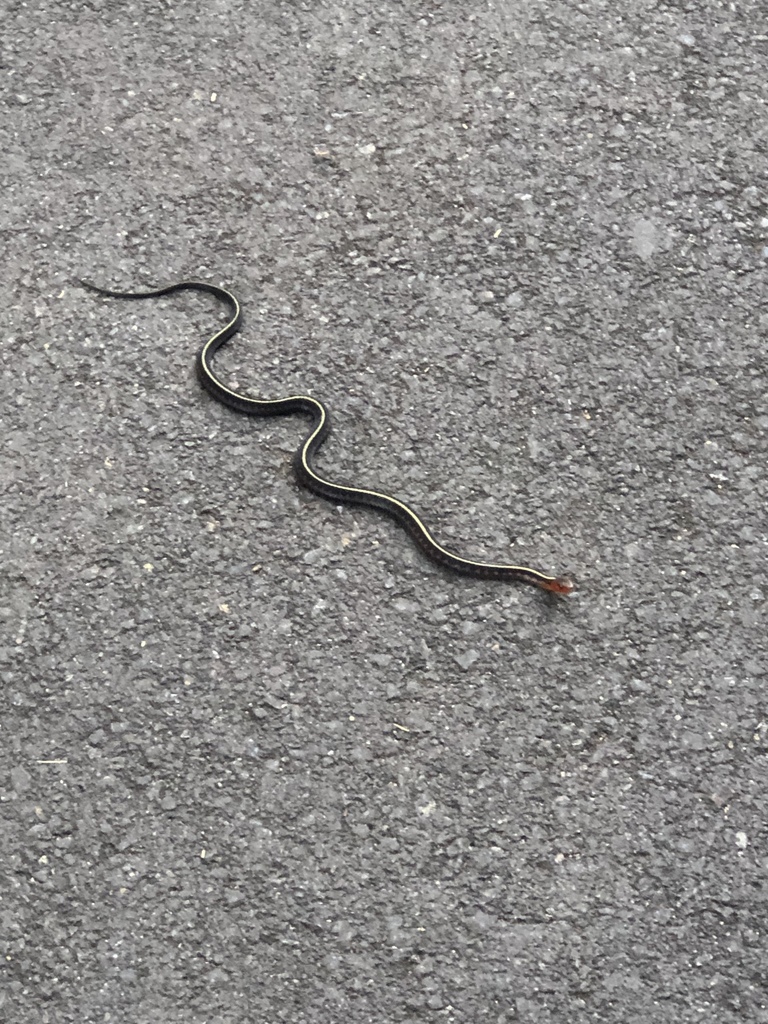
x=260 y=760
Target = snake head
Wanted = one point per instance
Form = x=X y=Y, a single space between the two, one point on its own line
x=559 y=585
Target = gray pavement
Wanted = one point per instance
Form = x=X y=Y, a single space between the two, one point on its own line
x=261 y=761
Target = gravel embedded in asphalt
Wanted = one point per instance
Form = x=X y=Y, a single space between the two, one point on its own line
x=261 y=761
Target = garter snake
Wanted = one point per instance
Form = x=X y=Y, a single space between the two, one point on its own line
x=320 y=427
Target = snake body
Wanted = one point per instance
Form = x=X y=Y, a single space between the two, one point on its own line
x=318 y=432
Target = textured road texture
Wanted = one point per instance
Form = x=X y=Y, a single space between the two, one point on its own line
x=260 y=761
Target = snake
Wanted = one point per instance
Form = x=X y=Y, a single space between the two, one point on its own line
x=303 y=461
